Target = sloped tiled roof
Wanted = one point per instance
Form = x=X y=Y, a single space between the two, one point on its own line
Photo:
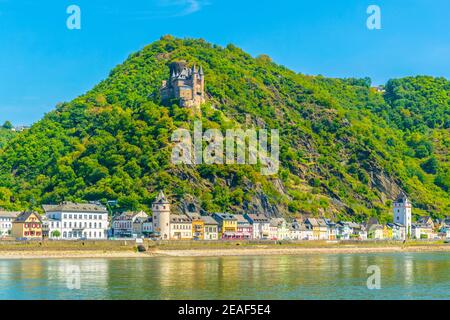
x=161 y=198
x=175 y=218
x=277 y=222
x=241 y=219
x=9 y=214
x=75 y=207
x=317 y=222
x=258 y=218
x=149 y=220
x=25 y=215
x=209 y=220
x=194 y=215
x=375 y=227
x=129 y=215
x=402 y=198
x=225 y=216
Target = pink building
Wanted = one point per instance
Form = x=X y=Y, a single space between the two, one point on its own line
x=244 y=228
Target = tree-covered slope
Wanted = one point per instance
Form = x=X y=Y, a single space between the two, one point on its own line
x=5 y=136
x=343 y=150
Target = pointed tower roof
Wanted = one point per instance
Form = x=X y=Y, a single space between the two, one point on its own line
x=201 y=70
x=194 y=69
x=402 y=198
x=161 y=198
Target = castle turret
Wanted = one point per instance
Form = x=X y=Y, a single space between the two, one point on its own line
x=161 y=216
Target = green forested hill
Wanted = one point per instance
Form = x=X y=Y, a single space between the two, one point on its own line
x=5 y=136
x=346 y=149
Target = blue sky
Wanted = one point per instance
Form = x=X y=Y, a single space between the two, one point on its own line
x=43 y=63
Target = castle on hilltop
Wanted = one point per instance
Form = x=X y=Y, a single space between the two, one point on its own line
x=185 y=84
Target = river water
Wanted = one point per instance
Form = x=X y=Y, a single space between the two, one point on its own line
x=315 y=276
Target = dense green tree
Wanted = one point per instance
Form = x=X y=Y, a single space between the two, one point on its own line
x=431 y=166
x=7 y=125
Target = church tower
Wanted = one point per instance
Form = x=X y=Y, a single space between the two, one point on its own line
x=403 y=213
x=161 y=216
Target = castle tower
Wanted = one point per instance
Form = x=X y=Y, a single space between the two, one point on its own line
x=403 y=213
x=202 y=84
x=161 y=216
x=185 y=84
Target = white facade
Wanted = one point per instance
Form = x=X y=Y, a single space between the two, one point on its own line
x=294 y=234
x=299 y=231
x=147 y=226
x=344 y=230
x=78 y=221
x=307 y=234
x=273 y=232
x=278 y=229
x=211 y=228
x=376 y=232
x=261 y=226
x=54 y=229
x=283 y=229
x=161 y=216
x=129 y=224
x=398 y=231
x=180 y=227
x=6 y=219
x=402 y=213
x=211 y=232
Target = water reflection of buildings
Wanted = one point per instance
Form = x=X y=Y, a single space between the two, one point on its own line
x=92 y=273
x=253 y=277
x=47 y=279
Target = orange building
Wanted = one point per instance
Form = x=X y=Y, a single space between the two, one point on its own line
x=27 y=225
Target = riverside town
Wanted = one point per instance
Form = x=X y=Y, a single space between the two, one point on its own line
x=93 y=221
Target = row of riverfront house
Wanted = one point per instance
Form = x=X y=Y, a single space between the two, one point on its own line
x=91 y=221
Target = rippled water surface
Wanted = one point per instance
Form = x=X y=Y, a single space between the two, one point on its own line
x=340 y=276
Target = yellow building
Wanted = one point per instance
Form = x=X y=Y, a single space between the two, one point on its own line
x=227 y=225
x=387 y=233
x=27 y=225
x=319 y=227
x=198 y=226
